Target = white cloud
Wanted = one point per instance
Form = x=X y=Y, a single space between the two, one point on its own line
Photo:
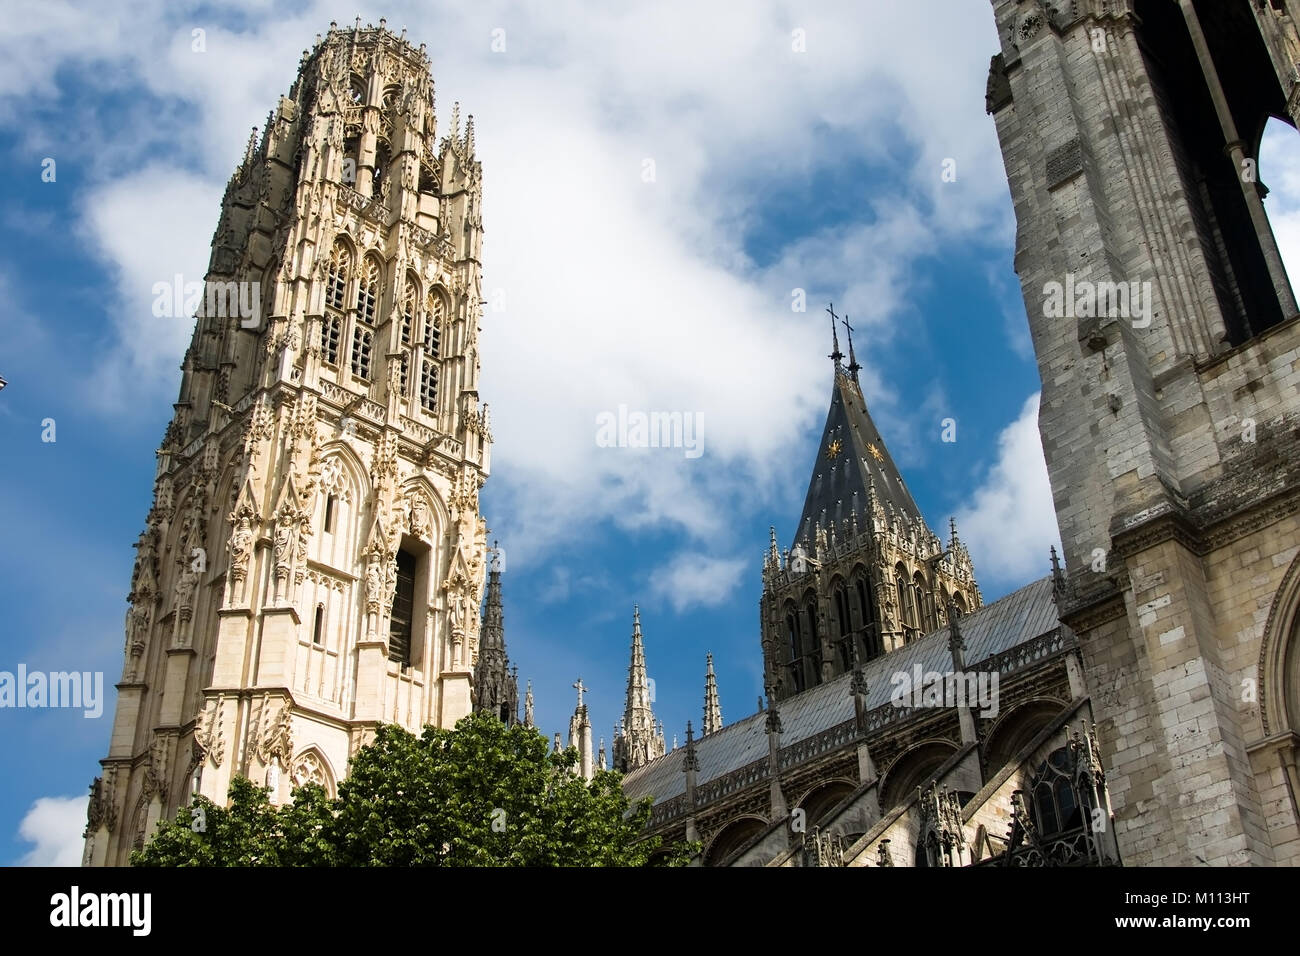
x=1009 y=522
x=55 y=826
x=145 y=225
x=691 y=579
x=617 y=291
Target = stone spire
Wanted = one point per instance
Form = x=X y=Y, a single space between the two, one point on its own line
x=638 y=741
x=712 y=707
x=580 y=733
x=528 y=706
x=496 y=688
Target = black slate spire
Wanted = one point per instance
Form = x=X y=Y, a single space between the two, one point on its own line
x=852 y=455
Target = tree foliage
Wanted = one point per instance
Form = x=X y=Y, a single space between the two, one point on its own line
x=481 y=794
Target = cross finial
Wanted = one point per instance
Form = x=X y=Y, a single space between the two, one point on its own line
x=854 y=367
x=836 y=354
x=578 y=685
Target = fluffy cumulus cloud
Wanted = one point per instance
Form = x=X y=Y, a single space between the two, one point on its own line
x=692 y=579
x=1009 y=522
x=54 y=826
x=634 y=157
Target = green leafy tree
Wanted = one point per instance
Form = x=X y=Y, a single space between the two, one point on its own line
x=481 y=794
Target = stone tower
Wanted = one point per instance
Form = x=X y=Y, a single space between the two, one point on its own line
x=865 y=574
x=636 y=740
x=313 y=561
x=496 y=687
x=1166 y=336
x=580 y=735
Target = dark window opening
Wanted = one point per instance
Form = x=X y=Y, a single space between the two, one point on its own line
x=399 y=628
x=318 y=627
x=795 y=638
x=330 y=332
x=1234 y=250
x=329 y=515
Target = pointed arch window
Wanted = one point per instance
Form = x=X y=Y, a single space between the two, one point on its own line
x=843 y=628
x=368 y=291
x=906 y=605
x=410 y=312
x=959 y=605
x=363 y=334
x=871 y=645
x=1055 y=801
x=336 y=276
x=794 y=637
x=812 y=653
x=429 y=385
x=401 y=619
x=357 y=90
x=331 y=331
x=435 y=309
x=363 y=341
x=435 y=312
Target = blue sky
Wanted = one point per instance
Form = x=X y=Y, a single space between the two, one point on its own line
x=776 y=169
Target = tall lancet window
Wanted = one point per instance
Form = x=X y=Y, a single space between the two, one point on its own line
x=400 y=622
x=368 y=291
x=871 y=642
x=336 y=277
x=435 y=308
x=336 y=284
x=906 y=608
x=408 y=331
x=436 y=311
x=410 y=311
x=843 y=628
x=794 y=635
x=363 y=335
x=812 y=652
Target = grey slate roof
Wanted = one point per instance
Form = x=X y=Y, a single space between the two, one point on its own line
x=1020 y=616
x=838 y=486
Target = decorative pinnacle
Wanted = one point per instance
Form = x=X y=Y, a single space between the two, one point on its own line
x=712 y=706
x=691 y=762
x=1058 y=578
x=956 y=643
x=854 y=367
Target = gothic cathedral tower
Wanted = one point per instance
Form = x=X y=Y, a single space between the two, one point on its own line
x=865 y=574
x=1167 y=338
x=314 y=558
